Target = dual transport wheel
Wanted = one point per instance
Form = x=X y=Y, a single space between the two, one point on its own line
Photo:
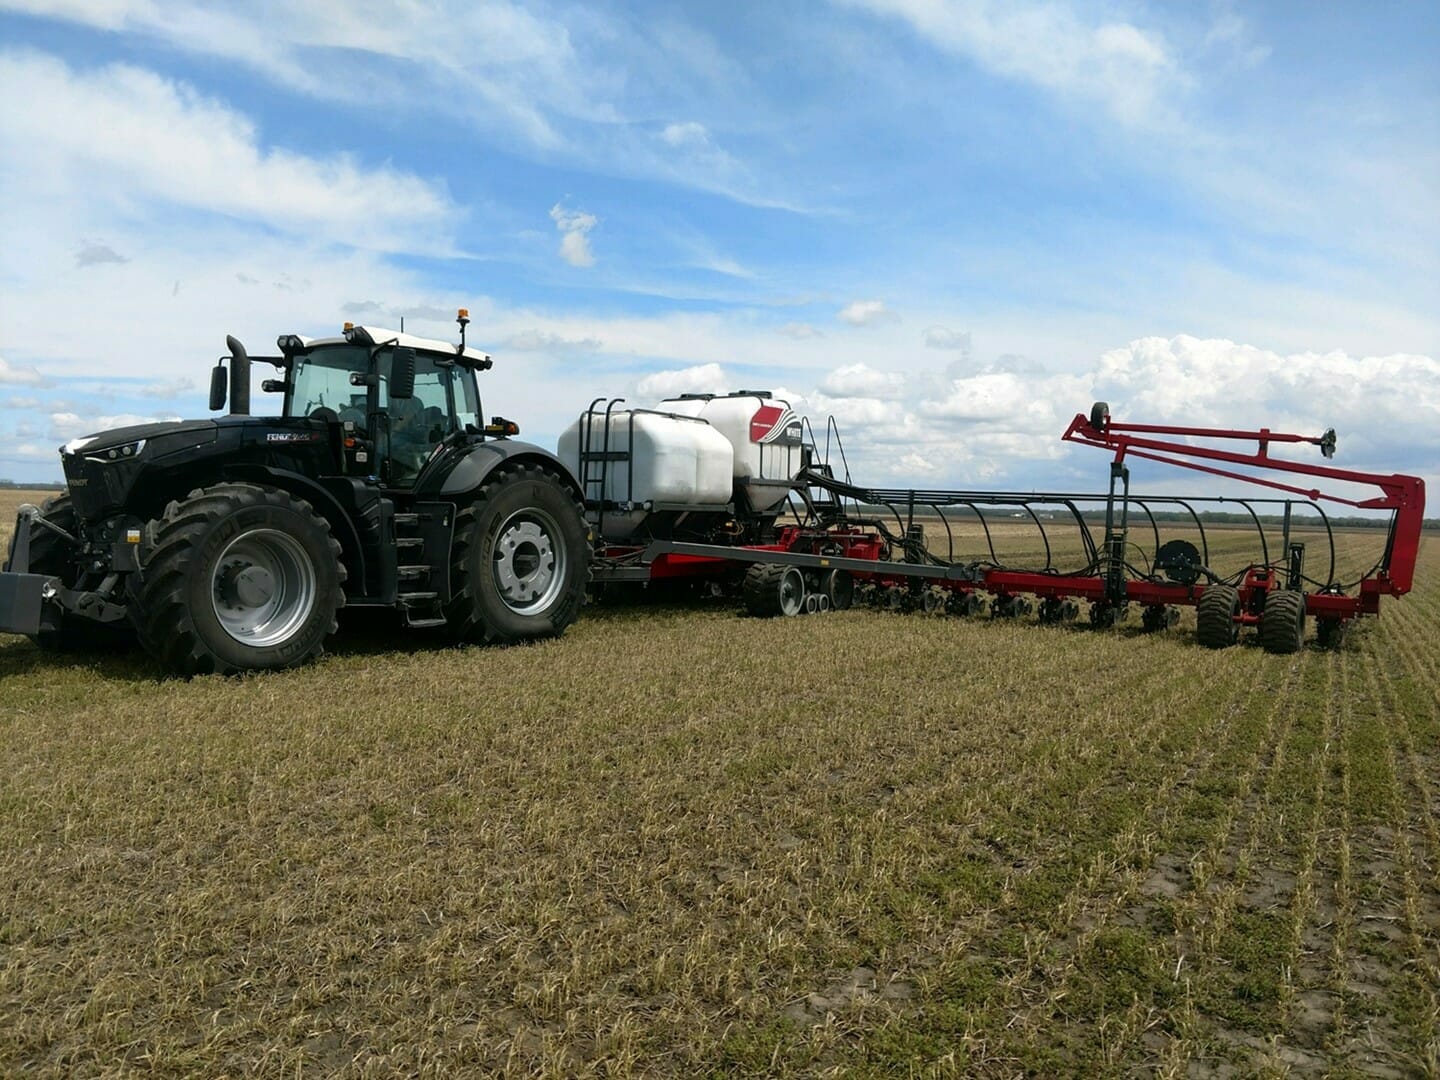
x=1282 y=621
x=772 y=589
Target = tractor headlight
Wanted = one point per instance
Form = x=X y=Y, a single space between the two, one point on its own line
x=118 y=453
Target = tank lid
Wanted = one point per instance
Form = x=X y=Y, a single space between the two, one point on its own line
x=692 y=397
x=751 y=393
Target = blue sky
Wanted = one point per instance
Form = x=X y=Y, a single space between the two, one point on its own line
x=949 y=224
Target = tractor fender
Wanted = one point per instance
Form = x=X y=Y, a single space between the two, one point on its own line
x=324 y=504
x=484 y=458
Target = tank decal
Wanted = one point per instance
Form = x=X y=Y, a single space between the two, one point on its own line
x=775 y=424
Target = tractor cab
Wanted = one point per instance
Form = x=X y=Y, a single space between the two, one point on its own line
x=398 y=397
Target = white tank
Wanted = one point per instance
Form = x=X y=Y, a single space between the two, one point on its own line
x=765 y=433
x=674 y=459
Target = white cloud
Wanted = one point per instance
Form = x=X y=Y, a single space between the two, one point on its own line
x=19 y=376
x=942 y=337
x=28 y=404
x=688 y=133
x=67 y=425
x=1126 y=70
x=701 y=379
x=532 y=340
x=800 y=331
x=574 y=227
x=169 y=388
x=862 y=381
x=160 y=141
x=866 y=312
x=1386 y=408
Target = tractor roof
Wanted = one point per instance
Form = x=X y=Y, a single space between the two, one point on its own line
x=372 y=335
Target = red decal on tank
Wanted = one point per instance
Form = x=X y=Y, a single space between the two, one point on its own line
x=764 y=421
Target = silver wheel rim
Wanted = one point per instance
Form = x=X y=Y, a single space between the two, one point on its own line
x=263 y=587
x=529 y=561
x=792 y=592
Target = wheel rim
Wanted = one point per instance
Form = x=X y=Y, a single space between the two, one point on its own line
x=792 y=592
x=263 y=587
x=530 y=561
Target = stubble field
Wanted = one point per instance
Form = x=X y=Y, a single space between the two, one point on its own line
x=685 y=842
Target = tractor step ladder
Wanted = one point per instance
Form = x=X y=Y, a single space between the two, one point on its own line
x=419 y=608
x=595 y=462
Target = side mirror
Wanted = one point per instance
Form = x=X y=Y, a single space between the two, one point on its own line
x=217 y=387
x=402 y=373
x=1327 y=443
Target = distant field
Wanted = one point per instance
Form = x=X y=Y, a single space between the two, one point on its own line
x=683 y=842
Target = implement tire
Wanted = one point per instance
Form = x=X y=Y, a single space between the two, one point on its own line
x=1215 y=625
x=773 y=589
x=53 y=556
x=1282 y=623
x=238 y=577
x=520 y=560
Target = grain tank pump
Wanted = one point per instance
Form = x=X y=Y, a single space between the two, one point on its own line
x=230 y=543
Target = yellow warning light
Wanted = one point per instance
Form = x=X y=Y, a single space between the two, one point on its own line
x=348 y=327
x=464 y=313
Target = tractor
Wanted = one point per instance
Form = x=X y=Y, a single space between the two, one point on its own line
x=230 y=544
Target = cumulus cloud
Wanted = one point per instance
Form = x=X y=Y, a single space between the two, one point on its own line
x=701 y=379
x=26 y=403
x=800 y=331
x=866 y=312
x=1386 y=408
x=862 y=381
x=574 y=227
x=168 y=388
x=19 y=376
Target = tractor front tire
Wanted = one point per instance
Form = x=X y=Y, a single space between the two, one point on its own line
x=238 y=577
x=1282 y=623
x=1215 y=625
x=520 y=561
x=53 y=556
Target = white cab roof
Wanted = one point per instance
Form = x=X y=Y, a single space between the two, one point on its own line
x=378 y=334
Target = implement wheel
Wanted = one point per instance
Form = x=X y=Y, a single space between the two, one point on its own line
x=772 y=589
x=1282 y=623
x=238 y=577
x=839 y=586
x=520 y=560
x=1215 y=625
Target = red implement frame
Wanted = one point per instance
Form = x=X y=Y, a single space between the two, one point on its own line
x=1403 y=495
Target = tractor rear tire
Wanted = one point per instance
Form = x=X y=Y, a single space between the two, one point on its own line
x=1215 y=625
x=53 y=556
x=238 y=577
x=774 y=589
x=520 y=561
x=1282 y=623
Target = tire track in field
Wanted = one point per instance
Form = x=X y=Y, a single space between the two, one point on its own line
x=1413 y=986
x=961 y=943
x=1206 y=915
x=1103 y=897
x=1368 y=1031
x=1405 y=644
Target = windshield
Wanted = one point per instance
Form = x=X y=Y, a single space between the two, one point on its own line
x=321 y=380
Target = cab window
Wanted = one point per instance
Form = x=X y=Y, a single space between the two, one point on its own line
x=418 y=423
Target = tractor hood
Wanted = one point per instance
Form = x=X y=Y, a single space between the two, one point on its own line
x=118 y=438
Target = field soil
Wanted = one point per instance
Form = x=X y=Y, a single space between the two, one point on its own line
x=679 y=841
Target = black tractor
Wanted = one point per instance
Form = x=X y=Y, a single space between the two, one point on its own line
x=229 y=544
